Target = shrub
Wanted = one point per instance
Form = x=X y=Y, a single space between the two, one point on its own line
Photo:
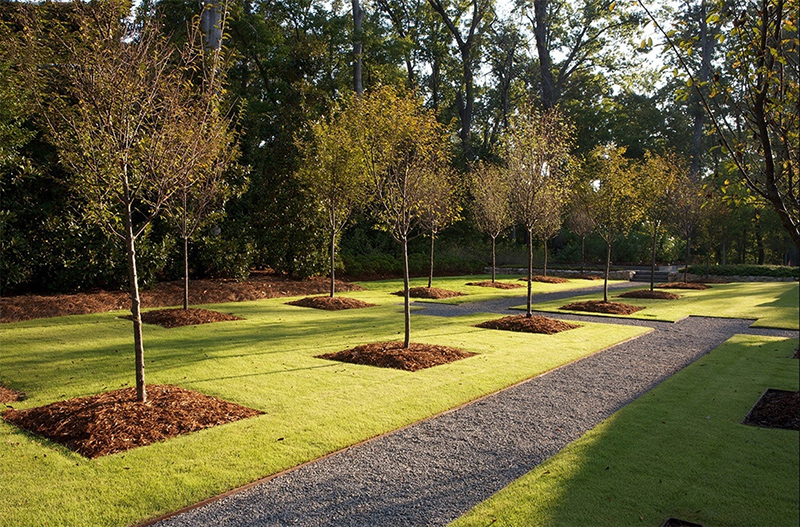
x=778 y=271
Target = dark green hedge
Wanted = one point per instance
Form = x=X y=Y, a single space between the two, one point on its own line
x=778 y=271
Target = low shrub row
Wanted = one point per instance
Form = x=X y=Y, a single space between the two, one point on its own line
x=778 y=271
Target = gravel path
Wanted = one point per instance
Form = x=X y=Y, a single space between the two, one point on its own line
x=432 y=472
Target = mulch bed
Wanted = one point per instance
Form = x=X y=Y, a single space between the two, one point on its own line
x=336 y=303
x=546 y=279
x=9 y=395
x=534 y=324
x=260 y=284
x=589 y=276
x=113 y=422
x=497 y=285
x=646 y=293
x=175 y=318
x=393 y=355
x=676 y=522
x=776 y=409
x=429 y=292
x=684 y=285
x=796 y=353
x=598 y=306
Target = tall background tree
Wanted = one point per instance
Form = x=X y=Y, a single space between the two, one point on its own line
x=492 y=205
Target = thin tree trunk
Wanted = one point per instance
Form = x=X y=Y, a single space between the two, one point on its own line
x=185 y=272
x=494 y=259
x=544 y=268
x=407 y=306
x=358 y=17
x=333 y=262
x=653 y=263
x=529 y=313
x=583 y=253
x=608 y=268
x=430 y=276
x=138 y=345
x=688 y=256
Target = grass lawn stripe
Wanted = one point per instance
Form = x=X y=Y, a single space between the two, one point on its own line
x=313 y=407
x=678 y=451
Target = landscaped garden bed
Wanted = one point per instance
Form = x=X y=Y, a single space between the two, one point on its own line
x=9 y=395
x=173 y=318
x=598 y=306
x=699 y=286
x=546 y=279
x=429 y=292
x=393 y=355
x=776 y=409
x=113 y=422
x=330 y=303
x=496 y=285
x=646 y=293
x=526 y=324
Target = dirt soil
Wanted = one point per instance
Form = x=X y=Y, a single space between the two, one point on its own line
x=113 y=422
x=175 y=318
x=598 y=306
x=776 y=409
x=393 y=355
x=336 y=303
x=261 y=284
x=9 y=395
x=535 y=324
x=684 y=285
x=497 y=285
x=646 y=293
x=429 y=292
x=546 y=279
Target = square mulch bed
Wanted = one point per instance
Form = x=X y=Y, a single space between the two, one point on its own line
x=526 y=324
x=328 y=303
x=393 y=355
x=112 y=422
x=676 y=522
x=775 y=409
x=598 y=306
x=496 y=285
x=429 y=292
x=175 y=318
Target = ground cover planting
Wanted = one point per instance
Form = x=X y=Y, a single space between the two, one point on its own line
x=266 y=362
x=679 y=451
x=772 y=304
x=477 y=293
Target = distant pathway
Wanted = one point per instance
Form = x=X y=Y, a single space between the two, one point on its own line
x=432 y=472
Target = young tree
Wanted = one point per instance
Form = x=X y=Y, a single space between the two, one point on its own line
x=656 y=185
x=612 y=201
x=492 y=208
x=535 y=149
x=579 y=221
x=686 y=211
x=442 y=209
x=118 y=104
x=332 y=171
x=404 y=152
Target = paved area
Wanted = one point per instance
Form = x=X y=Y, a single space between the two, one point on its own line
x=432 y=472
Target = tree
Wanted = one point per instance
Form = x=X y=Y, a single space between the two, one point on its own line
x=492 y=208
x=612 y=200
x=579 y=220
x=119 y=105
x=441 y=209
x=535 y=150
x=332 y=171
x=404 y=152
x=686 y=210
x=656 y=185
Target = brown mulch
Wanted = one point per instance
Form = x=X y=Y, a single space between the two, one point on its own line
x=796 y=353
x=646 y=293
x=9 y=395
x=175 y=318
x=598 y=306
x=776 y=409
x=429 y=292
x=684 y=285
x=590 y=276
x=534 y=324
x=336 y=303
x=261 y=284
x=546 y=279
x=498 y=285
x=113 y=422
x=393 y=355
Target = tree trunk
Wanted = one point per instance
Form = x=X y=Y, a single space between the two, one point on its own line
x=468 y=105
x=545 y=63
x=544 y=268
x=529 y=313
x=358 y=17
x=211 y=24
x=430 y=275
x=653 y=262
x=494 y=258
x=706 y=52
x=185 y=272
x=688 y=256
x=583 y=253
x=759 y=242
x=333 y=262
x=407 y=305
x=133 y=277
x=608 y=268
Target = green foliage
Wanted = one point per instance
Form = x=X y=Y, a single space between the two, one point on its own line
x=780 y=271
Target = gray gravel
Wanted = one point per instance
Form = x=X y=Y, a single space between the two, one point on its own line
x=432 y=472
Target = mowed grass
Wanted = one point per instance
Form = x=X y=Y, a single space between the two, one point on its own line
x=479 y=293
x=773 y=304
x=312 y=406
x=679 y=451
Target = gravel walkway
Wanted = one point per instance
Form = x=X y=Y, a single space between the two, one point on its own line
x=432 y=472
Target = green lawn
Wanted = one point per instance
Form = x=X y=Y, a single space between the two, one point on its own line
x=478 y=293
x=773 y=304
x=677 y=451
x=312 y=406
